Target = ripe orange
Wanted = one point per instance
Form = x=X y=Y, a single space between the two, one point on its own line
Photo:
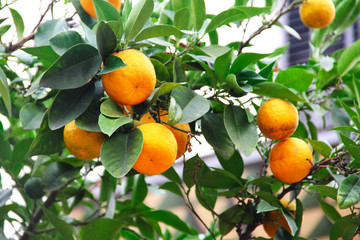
x=275 y=218
x=82 y=144
x=317 y=13
x=159 y=149
x=277 y=119
x=132 y=84
x=88 y=6
x=291 y=160
x=181 y=137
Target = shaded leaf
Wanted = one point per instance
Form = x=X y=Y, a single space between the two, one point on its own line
x=276 y=90
x=57 y=174
x=106 y=40
x=61 y=42
x=344 y=228
x=113 y=63
x=140 y=190
x=49 y=29
x=65 y=229
x=103 y=228
x=4 y=91
x=110 y=125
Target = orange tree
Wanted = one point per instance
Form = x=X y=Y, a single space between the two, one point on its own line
x=153 y=62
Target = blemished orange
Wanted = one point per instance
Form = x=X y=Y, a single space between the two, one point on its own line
x=82 y=144
x=159 y=149
x=132 y=84
x=277 y=119
x=275 y=218
x=317 y=13
x=88 y=6
x=291 y=160
x=180 y=136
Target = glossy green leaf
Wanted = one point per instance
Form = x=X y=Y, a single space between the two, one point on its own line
x=44 y=52
x=106 y=40
x=61 y=42
x=198 y=14
x=214 y=131
x=69 y=104
x=175 y=113
x=158 y=31
x=57 y=174
x=88 y=120
x=172 y=175
x=192 y=104
x=138 y=17
x=163 y=89
x=18 y=22
x=111 y=109
x=65 y=229
x=113 y=63
x=73 y=69
x=321 y=147
x=49 y=29
x=4 y=91
x=324 y=191
x=349 y=58
x=245 y=59
x=330 y=211
x=264 y=206
x=349 y=192
x=105 y=11
x=46 y=141
x=344 y=228
x=172 y=187
x=295 y=78
x=234 y=14
x=120 y=152
x=242 y=132
x=235 y=164
x=182 y=18
x=276 y=90
x=103 y=228
x=234 y=88
x=222 y=65
x=206 y=196
x=216 y=179
x=140 y=190
x=110 y=125
x=161 y=71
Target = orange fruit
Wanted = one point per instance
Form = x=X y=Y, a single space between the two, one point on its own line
x=275 y=218
x=88 y=6
x=82 y=144
x=277 y=119
x=180 y=136
x=159 y=149
x=132 y=84
x=317 y=13
x=291 y=160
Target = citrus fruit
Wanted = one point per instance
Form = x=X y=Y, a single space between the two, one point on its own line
x=291 y=160
x=34 y=188
x=82 y=144
x=133 y=83
x=159 y=149
x=88 y=6
x=317 y=13
x=180 y=136
x=277 y=119
x=275 y=218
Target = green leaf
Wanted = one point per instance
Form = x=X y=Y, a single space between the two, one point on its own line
x=352 y=147
x=90 y=36
x=344 y=228
x=105 y=11
x=49 y=29
x=106 y=40
x=178 y=71
x=265 y=207
x=222 y=65
x=172 y=175
x=235 y=164
x=111 y=109
x=245 y=59
x=69 y=104
x=145 y=228
x=138 y=17
x=234 y=14
x=18 y=22
x=18 y=155
x=290 y=220
x=4 y=91
x=330 y=211
x=325 y=191
x=321 y=147
x=158 y=31
x=120 y=152
x=89 y=119
x=161 y=71
x=57 y=174
x=65 y=229
x=214 y=131
x=276 y=90
x=170 y=219
x=113 y=63
x=140 y=190
x=230 y=217
x=5 y=147
x=61 y=42
x=103 y=228
x=349 y=192
x=192 y=104
x=295 y=78
x=242 y=132
x=163 y=89
x=234 y=88
x=198 y=14
x=5 y=195
x=189 y=170
x=349 y=58
x=172 y=187
x=46 y=141
x=174 y=112
x=43 y=52
x=73 y=69
x=182 y=18
x=110 y=125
